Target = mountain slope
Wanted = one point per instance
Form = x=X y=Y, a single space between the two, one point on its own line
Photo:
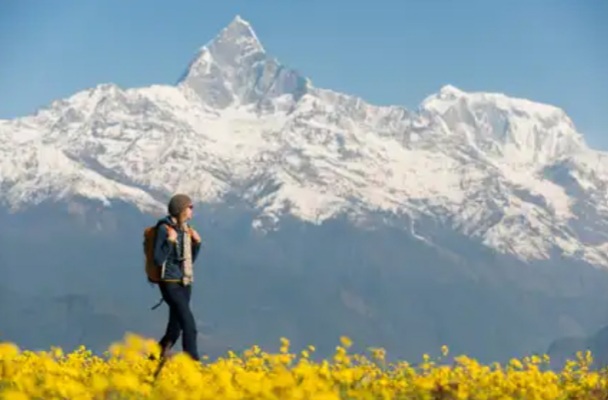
x=239 y=122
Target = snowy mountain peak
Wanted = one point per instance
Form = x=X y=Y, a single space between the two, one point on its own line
x=523 y=131
x=449 y=96
x=235 y=42
x=239 y=32
x=450 y=91
x=233 y=69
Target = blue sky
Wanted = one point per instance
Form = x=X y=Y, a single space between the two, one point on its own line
x=388 y=52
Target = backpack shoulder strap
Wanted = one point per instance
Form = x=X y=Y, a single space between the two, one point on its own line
x=163 y=222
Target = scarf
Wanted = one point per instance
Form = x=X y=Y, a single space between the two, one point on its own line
x=187 y=256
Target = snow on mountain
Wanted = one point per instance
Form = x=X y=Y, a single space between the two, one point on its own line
x=519 y=130
x=32 y=172
x=234 y=69
x=513 y=173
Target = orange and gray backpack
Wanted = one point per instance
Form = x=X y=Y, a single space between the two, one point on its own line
x=153 y=271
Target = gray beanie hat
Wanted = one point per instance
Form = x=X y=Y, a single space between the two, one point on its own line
x=178 y=203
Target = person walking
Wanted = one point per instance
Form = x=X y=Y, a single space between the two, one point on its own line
x=176 y=248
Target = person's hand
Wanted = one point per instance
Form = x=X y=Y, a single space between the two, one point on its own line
x=195 y=236
x=172 y=235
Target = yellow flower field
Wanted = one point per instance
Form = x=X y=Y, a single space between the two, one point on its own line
x=126 y=372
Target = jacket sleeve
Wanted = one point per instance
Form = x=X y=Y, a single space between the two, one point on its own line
x=162 y=247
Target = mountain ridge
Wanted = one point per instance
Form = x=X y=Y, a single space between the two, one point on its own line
x=513 y=173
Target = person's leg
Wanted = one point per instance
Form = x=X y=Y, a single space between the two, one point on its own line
x=188 y=325
x=170 y=293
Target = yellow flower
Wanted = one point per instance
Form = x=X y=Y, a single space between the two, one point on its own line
x=346 y=342
x=284 y=345
x=8 y=351
x=126 y=372
x=14 y=395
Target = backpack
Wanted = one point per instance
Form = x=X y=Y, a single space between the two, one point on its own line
x=153 y=271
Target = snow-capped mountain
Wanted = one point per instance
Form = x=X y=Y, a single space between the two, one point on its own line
x=513 y=173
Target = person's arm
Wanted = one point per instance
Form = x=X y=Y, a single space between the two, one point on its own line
x=162 y=246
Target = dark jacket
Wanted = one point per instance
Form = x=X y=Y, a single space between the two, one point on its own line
x=167 y=253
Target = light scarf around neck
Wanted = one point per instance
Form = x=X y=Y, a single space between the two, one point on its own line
x=187 y=269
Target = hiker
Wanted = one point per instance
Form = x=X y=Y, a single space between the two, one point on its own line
x=176 y=251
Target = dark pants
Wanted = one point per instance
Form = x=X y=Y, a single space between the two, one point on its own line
x=181 y=319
